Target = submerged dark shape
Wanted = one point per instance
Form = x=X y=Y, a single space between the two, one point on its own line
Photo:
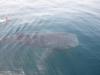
x=20 y=50
x=44 y=40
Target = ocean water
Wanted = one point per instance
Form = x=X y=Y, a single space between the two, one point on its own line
x=81 y=18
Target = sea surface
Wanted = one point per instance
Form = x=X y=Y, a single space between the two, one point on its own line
x=80 y=17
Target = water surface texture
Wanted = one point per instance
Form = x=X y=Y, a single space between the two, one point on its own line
x=25 y=17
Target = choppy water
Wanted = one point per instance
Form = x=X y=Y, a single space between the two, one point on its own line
x=74 y=16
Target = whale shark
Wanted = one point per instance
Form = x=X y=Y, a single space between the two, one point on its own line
x=13 y=56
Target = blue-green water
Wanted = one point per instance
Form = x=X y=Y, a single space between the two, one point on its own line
x=79 y=17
